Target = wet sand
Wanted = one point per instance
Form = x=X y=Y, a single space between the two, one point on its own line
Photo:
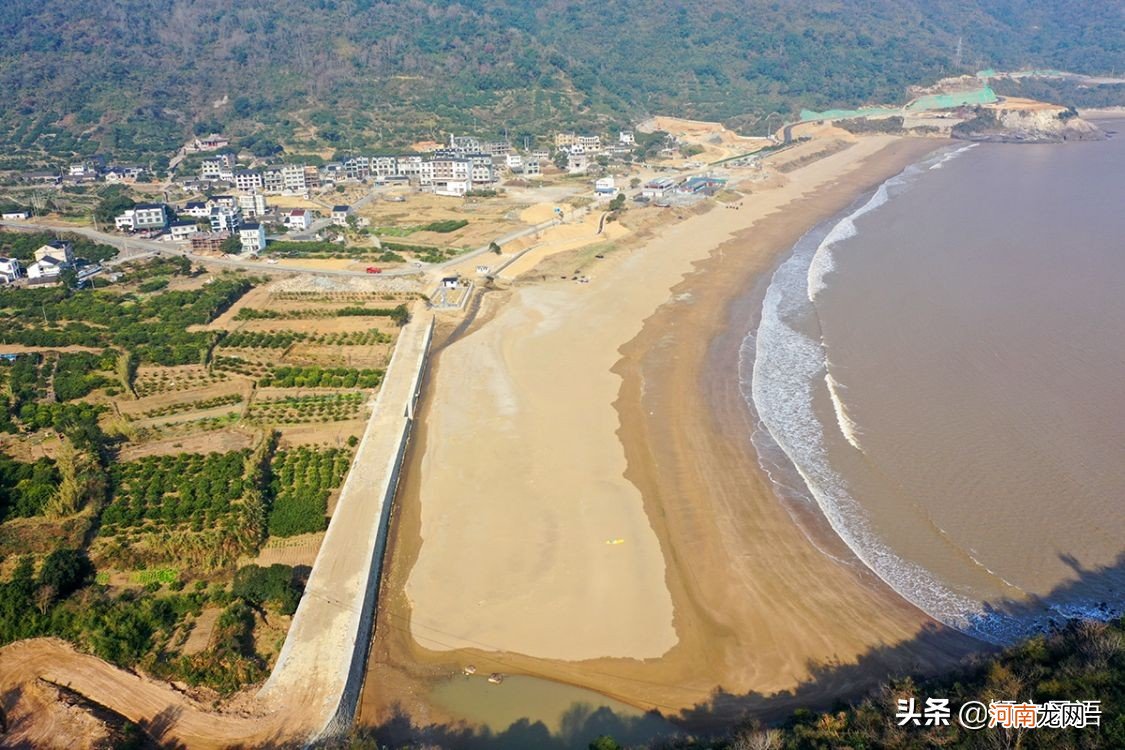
x=763 y=597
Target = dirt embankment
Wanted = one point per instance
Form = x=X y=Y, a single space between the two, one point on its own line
x=36 y=717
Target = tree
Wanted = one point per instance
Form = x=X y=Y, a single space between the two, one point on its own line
x=618 y=202
x=232 y=245
x=65 y=571
x=494 y=247
x=115 y=201
x=635 y=182
x=605 y=742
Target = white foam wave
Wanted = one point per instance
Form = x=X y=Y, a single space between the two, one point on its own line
x=824 y=262
x=952 y=155
x=848 y=427
x=787 y=367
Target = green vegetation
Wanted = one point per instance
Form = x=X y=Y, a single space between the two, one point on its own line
x=22 y=245
x=197 y=405
x=321 y=377
x=302 y=480
x=399 y=314
x=322 y=407
x=187 y=509
x=868 y=125
x=78 y=374
x=586 y=66
x=26 y=488
x=152 y=327
x=285 y=339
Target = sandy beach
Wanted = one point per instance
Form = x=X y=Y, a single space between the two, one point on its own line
x=582 y=502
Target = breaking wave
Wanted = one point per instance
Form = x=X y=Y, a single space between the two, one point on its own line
x=788 y=368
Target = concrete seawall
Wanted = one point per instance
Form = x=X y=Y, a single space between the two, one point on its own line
x=325 y=653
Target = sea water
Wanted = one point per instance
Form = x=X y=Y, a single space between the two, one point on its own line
x=942 y=371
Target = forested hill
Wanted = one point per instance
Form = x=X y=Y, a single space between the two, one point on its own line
x=134 y=77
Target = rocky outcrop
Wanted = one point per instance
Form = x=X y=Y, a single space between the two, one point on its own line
x=1035 y=124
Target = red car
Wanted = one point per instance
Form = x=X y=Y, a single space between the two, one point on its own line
x=373 y=269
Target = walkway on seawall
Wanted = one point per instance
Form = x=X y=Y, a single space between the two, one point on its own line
x=325 y=653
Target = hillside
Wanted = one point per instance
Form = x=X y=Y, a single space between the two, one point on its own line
x=134 y=77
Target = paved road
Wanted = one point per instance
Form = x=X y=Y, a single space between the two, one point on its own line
x=133 y=248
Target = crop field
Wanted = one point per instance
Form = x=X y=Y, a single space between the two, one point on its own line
x=328 y=407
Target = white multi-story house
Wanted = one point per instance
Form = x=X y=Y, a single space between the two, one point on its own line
x=625 y=138
x=449 y=174
x=297 y=220
x=224 y=219
x=247 y=180
x=293 y=179
x=182 y=230
x=412 y=166
x=592 y=143
x=143 y=217
x=10 y=270
x=51 y=260
x=456 y=188
x=357 y=168
x=513 y=162
x=384 y=166
x=197 y=209
x=253 y=205
x=253 y=237
x=340 y=215
x=480 y=168
x=531 y=168
x=272 y=181
x=219 y=167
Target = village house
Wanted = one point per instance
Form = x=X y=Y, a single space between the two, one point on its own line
x=211 y=142
x=297 y=220
x=50 y=261
x=16 y=216
x=182 y=230
x=625 y=138
x=253 y=206
x=224 y=218
x=592 y=143
x=219 y=167
x=253 y=237
x=10 y=270
x=197 y=209
x=123 y=175
x=658 y=187
x=605 y=189
x=143 y=217
x=340 y=215
x=577 y=163
x=247 y=180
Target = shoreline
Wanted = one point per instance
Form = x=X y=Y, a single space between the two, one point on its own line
x=756 y=601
